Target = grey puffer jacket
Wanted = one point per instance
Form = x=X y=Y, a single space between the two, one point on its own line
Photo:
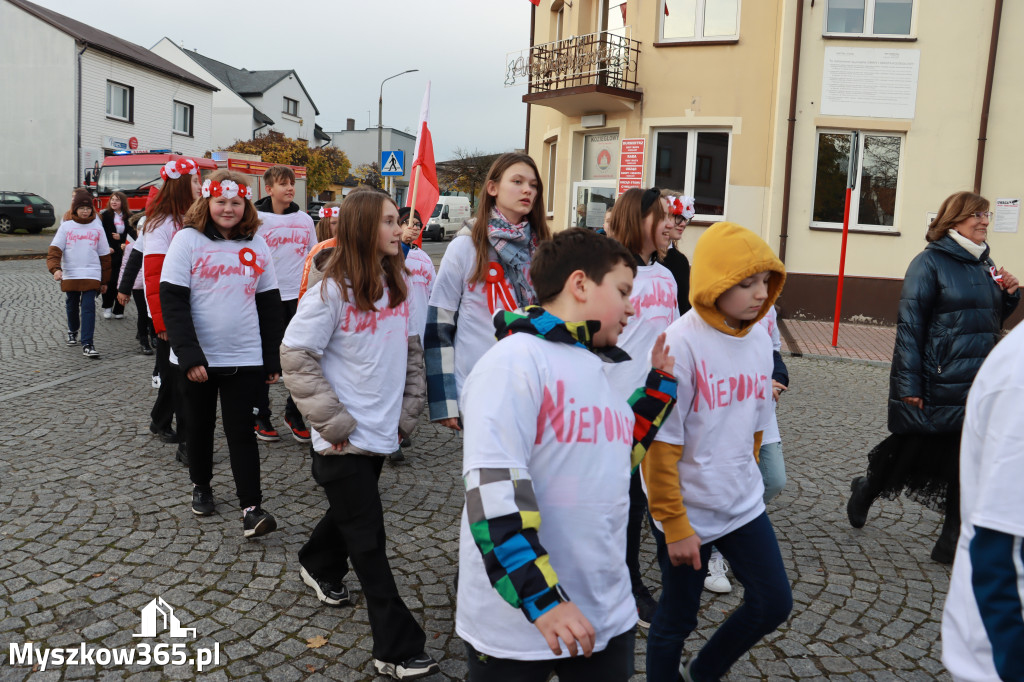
x=950 y=315
x=319 y=403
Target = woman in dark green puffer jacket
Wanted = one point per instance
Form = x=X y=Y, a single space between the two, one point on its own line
x=952 y=308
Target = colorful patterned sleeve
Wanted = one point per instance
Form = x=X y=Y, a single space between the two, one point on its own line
x=504 y=520
x=651 y=404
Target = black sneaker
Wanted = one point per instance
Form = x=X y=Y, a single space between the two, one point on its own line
x=298 y=427
x=166 y=434
x=264 y=429
x=89 y=351
x=646 y=607
x=409 y=669
x=406 y=442
x=332 y=594
x=72 y=339
x=257 y=522
x=202 y=501
x=145 y=349
x=397 y=456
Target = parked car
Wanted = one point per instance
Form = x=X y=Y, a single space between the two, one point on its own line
x=447 y=218
x=24 y=210
x=314 y=209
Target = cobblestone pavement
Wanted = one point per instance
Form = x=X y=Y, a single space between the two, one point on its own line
x=95 y=523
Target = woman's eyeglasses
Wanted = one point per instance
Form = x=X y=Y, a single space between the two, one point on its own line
x=679 y=220
x=983 y=214
x=417 y=224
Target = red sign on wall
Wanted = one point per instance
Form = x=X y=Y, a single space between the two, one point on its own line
x=631 y=163
x=133 y=143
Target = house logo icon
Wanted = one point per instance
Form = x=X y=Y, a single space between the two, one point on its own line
x=158 y=615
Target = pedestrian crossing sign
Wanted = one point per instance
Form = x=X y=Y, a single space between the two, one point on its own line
x=392 y=162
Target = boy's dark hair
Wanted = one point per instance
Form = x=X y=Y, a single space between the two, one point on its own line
x=572 y=250
x=276 y=174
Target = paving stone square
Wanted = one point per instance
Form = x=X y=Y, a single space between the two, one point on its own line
x=95 y=523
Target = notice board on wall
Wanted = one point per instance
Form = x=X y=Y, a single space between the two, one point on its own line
x=870 y=82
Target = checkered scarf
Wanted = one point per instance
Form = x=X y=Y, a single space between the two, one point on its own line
x=514 y=245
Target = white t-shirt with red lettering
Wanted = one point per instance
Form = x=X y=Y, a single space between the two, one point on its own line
x=363 y=357
x=81 y=247
x=454 y=291
x=291 y=237
x=655 y=308
x=222 y=293
x=421 y=283
x=725 y=396
x=547 y=408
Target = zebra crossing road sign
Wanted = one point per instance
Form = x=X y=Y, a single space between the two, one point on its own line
x=392 y=162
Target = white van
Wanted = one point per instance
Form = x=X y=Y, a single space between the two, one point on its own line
x=447 y=218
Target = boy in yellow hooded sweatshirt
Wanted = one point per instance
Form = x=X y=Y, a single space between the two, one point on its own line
x=701 y=474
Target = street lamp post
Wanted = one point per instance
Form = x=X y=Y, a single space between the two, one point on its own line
x=380 y=116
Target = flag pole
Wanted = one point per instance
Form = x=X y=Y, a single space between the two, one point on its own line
x=412 y=213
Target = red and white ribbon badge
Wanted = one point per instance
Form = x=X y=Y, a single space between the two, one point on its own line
x=498 y=289
x=996 y=277
x=248 y=258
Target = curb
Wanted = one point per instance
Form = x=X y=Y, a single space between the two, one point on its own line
x=22 y=256
x=834 y=358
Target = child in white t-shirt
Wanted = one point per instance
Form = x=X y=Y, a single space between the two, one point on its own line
x=480 y=274
x=222 y=311
x=701 y=474
x=641 y=223
x=983 y=619
x=356 y=373
x=549 y=448
x=79 y=259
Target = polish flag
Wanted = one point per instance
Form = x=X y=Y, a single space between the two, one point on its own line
x=423 y=183
x=536 y=3
x=666 y=8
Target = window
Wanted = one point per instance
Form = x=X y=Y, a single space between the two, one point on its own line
x=291 y=106
x=120 y=101
x=613 y=16
x=694 y=162
x=697 y=20
x=183 y=118
x=550 y=183
x=873 y=204
x=869 y=17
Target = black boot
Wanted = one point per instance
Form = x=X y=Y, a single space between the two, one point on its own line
x=861 y=498
x=945 y=547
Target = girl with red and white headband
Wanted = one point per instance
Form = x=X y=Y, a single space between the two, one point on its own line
x=164 y=216
x=681 y=209
x=224 y=320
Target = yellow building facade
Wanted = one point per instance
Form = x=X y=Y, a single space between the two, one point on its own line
x=707 y=84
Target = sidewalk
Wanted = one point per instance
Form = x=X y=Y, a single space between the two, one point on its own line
x=20 y=245
x=860 y=342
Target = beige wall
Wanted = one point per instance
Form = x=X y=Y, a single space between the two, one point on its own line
x=730 y=87
x=938 y=156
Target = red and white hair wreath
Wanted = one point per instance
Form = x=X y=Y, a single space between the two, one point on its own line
x=175 y=168
x=682 y=205
x=328 y=212
x=229 y=189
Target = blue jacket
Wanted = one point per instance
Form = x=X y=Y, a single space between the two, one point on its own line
x=950 y=315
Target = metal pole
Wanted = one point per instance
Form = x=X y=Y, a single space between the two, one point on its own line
x=851 y=181
x=380 y=114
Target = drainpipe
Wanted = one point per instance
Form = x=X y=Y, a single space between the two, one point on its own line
x=788 y=176
x=993 y=45
x=78 y=118
x=533 y=26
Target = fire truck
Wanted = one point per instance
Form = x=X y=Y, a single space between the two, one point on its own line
x=253 y=166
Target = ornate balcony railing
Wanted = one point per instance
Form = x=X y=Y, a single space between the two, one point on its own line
x=605 y=59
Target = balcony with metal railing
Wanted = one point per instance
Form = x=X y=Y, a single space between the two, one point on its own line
x=584 y=74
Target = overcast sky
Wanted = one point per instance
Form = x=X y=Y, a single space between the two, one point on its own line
x=343 y=49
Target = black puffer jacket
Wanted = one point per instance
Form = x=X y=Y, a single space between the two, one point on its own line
x=951 y=311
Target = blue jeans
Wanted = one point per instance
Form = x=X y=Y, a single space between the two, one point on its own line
x=87 y=301
x=773 y=469
x=753 y=553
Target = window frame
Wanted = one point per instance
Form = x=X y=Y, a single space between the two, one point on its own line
x=191 y=119
x=869 y=21
x=691 y=165
x=131 y=102
x=855 y=225
x=285 y=110
x=552 y=157
x=699 y=36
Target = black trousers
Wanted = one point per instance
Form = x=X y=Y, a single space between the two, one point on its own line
x=353 y=529
x=237 y=387
x=612 y=664
x=142 y=324
x=263 y=399
x=110 y=297
x=168 y=405
x=634 y=527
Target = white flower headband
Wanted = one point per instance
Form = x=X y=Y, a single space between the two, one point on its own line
x=326 y=212
x=175 y=168
x=683 y=206
x=228 y=189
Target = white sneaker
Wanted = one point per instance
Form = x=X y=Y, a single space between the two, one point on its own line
x=107 y=314
x=156 y=381
x=118 y=317
x=716 y=580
